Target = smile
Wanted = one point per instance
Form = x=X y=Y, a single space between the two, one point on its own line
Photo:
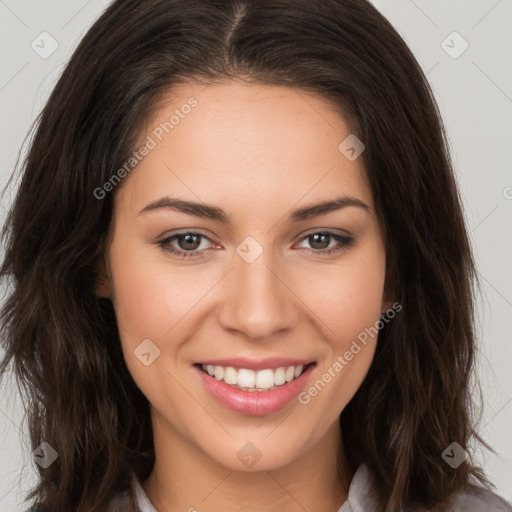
x=250 y=380
x=254 y=392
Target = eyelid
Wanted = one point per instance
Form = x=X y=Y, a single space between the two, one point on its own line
x=343 y=242
x=166 y=238
x=336 y=231
x=205 y=233
x=186 y=231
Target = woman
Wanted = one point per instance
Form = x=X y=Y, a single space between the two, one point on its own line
x=241 y=274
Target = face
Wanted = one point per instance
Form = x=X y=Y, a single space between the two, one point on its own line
x=252 y=280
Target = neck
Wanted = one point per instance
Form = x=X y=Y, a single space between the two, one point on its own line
x=185 y=478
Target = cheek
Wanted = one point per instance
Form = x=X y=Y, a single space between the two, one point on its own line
x=348 y=298
x=350 y=305
x=150 y=297
x=151 y=302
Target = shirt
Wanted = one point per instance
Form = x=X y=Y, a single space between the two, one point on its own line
x=362 y=498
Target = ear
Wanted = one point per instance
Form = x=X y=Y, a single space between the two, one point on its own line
x=103 y=286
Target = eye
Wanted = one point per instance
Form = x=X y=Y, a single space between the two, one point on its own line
x=189 y=244
x=320 y=242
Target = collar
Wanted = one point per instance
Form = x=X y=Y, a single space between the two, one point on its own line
x=361 y=493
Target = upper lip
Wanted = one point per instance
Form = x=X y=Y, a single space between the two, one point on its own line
x=257 y=364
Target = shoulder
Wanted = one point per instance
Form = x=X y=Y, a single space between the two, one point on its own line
x=476 y=499
x=119 y=503
x=472 y=499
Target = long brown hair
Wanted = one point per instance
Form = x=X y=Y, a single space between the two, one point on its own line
x=62 y=340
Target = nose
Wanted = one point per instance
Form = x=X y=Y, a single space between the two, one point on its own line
x=257 y=300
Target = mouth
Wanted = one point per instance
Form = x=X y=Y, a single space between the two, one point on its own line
x=254 y=392
x=249 y=380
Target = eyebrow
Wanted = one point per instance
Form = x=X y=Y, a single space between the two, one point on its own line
x=207 y=211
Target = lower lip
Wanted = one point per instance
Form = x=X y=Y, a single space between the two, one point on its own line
x=254 y=403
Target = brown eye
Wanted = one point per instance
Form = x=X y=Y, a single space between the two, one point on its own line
x=184 y=244
x=189 y=242
x=320 y=242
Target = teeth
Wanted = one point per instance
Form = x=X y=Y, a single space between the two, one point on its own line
x=219 y=372
x=290 y=373
x=265 y=379
x=246 y=378
x=249 y=380
x=230 y=376
x=279 y=376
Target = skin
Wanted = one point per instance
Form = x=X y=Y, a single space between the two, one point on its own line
x=256 y=152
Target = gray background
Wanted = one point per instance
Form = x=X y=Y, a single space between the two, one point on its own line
x=474 y=92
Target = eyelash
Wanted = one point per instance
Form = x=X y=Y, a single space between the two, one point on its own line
x=343 y=241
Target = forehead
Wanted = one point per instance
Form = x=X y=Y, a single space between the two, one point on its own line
x=246 y=144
